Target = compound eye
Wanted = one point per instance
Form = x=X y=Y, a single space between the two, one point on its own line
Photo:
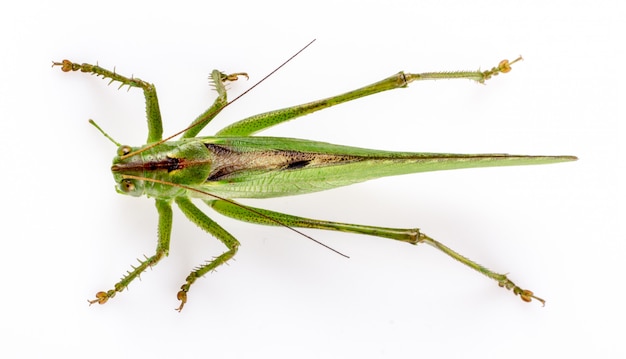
x=127 y=186
x=124 y=150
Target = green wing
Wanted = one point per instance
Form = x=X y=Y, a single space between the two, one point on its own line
x=263 y=167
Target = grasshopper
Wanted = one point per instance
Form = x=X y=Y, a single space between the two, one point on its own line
x=236 y=164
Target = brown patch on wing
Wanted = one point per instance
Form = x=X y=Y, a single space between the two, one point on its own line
x=227 y=162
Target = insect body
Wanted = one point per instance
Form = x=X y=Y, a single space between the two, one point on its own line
x=235 y=164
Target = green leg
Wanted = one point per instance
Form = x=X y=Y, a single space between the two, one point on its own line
x=254 y=124
x=155 y=127
x=165 y=229
x=412 y=236
x=218 y=79
x=201 y=220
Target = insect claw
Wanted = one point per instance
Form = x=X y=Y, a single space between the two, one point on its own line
x=235 y=76
x=527 y=296
x=66 y=65
x=182 y=296
x=101 y=298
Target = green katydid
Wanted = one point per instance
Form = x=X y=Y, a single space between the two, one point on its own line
x=235 y=164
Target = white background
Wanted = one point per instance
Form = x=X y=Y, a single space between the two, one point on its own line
x=66 y=234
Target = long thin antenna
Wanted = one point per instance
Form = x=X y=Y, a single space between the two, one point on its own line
x=212 y=195
x=236 y=204
x=227 y=104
